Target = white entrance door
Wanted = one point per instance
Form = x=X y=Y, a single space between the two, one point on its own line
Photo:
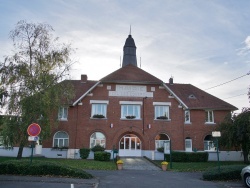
x=188 y=145
x=130 y=145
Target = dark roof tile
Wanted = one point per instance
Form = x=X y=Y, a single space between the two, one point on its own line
x=196 y=98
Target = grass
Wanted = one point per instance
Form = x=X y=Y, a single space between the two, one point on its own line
x=75 y=163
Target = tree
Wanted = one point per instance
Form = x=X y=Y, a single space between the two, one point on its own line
x=235 y=132
x=32 y=76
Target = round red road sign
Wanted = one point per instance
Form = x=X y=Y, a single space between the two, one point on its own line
x=34 y=129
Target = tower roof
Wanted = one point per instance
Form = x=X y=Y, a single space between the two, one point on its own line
x=129 y=52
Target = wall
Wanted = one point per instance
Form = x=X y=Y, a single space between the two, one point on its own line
x=154 y=155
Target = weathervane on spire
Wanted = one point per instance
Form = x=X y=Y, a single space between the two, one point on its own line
x=130 y=30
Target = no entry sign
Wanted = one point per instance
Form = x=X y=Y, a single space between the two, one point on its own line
x=34 y=129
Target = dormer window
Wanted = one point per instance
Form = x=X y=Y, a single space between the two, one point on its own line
x=191 y=96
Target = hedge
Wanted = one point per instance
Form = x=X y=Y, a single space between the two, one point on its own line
x=187 y=156
x=97 y=148
x=229 y=172
x=102 y=156
x=41 y=168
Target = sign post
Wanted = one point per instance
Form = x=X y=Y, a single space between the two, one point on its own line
x=217 y=134
x=33 y=132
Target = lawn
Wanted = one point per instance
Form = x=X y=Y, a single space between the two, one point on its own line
x=76 y=163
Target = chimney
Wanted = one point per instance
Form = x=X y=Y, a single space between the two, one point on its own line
x=171 y=81
x=84 y=78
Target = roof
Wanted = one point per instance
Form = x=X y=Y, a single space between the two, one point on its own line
x=195 y=98
x=80 y=88
x=130 y=42
x=188 y=95
x=131 y=74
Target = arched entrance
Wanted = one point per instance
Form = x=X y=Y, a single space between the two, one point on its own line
x=130 y=145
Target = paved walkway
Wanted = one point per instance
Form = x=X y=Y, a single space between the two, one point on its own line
x=138 y=163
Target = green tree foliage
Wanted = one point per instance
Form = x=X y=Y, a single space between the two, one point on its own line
x=33 y=76
x=235 y=132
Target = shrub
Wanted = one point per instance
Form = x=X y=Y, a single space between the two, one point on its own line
x=97 y=148
x=187 y=157
x=102 y=156
x=41 y=168
x=230 y=172
x=84 y=153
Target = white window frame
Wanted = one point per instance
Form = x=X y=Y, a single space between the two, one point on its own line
x=209 y=118
x=64 y=140
x=127 y=105
x=63 y=113
x=97 y=141
x=188 y=145
x=209 y=145
x=160 y=143
x=99 y=111
x=157 y=109
x=187 y=115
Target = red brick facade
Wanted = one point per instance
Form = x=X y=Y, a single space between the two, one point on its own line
x=80 y=125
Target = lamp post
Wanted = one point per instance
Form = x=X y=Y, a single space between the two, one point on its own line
x=143 y=103
x=217 y=134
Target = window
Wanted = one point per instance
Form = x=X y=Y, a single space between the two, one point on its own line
x=209 y=143
x=99 y=108
x=188 y=144
x=97 y=138
x=162 y=110
x=160 y=139
x=130 y=111
x=61 y=139
x=63 y=113
x=187 y=116
x=209 y=116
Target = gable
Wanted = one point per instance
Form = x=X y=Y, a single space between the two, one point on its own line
x=131 y=74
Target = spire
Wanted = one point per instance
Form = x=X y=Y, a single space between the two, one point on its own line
x=129 y=51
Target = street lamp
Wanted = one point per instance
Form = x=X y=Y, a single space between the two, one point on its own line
x=143 y=103
x=217 y=134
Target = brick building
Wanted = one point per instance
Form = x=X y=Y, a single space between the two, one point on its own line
x=135 y=112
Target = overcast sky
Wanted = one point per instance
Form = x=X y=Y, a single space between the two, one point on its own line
x=204 y=43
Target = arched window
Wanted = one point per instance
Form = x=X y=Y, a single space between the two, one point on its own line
x=160 y=139
x=209 y=143
x=97 y=138
x=61 y=139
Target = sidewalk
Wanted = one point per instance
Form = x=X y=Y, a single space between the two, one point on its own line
x=138 y=163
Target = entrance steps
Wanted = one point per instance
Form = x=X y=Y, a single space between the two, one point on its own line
x=138 y=163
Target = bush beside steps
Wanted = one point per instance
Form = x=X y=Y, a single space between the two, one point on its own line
x=41 y=168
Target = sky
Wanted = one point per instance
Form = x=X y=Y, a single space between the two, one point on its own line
x=203 y=43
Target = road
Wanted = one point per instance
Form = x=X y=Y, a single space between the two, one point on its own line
x=121 y=179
